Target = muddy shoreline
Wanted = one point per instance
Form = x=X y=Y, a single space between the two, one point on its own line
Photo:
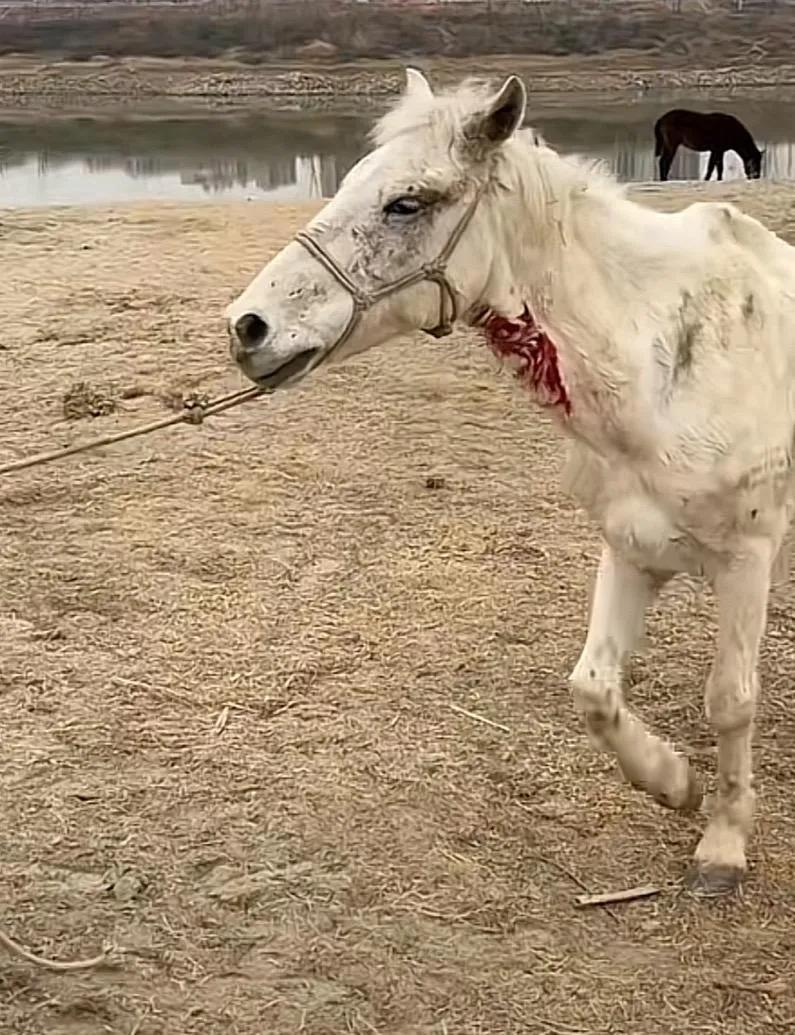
x=28 y=82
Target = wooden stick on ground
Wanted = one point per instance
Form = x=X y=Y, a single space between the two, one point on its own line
x=8 y=943
x=477 y=718
x=628 y=895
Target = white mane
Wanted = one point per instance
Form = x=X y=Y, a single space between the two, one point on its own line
x=445 y=114
x=547 y=181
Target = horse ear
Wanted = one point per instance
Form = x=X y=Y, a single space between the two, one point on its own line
x=417 y=85
x=501 y=118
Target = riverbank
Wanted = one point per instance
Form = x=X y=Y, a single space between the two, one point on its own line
x=25 y=81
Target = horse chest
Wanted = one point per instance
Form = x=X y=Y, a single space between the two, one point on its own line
x=646 y=530
x=651 y=527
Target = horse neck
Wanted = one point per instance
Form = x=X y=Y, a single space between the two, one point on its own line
x=599 y=276
x=745 y=145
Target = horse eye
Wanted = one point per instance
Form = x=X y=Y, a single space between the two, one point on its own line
x=407 y=205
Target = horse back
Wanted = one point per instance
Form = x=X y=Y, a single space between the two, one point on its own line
x=728 y=225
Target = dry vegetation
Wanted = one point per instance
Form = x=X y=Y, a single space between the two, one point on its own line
x=229 y=656
x=253 y=30
x=322 y=52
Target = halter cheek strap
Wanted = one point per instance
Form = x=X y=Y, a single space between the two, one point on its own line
x=435 y=272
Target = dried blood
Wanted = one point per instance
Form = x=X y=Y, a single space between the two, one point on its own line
x=534 y=355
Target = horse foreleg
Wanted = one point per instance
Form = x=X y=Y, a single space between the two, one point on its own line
x=622 y=594
x=719 y=164
x=712 y=164
x=666 y=160
x=730 y=701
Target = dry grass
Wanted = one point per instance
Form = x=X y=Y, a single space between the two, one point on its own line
x=255 y=31
x=229 y=659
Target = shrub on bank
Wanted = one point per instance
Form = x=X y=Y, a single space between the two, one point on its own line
x=258 y=31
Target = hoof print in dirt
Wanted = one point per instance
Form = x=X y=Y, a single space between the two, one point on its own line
x=717 y=882
x=125 y=885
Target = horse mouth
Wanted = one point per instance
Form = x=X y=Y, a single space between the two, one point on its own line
x=295 y=367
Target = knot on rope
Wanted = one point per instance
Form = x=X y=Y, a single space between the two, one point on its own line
x=194 y=408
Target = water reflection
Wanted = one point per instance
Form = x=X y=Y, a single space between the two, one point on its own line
x=82 y=160
x=292 y=156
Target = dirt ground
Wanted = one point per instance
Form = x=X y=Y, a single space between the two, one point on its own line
x=231 y=656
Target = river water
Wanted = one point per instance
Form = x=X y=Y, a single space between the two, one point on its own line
x=174 y=153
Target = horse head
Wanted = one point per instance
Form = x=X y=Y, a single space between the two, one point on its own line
x=753 y=164
x=408 y=242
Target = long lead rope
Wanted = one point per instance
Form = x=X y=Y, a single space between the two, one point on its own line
x=191 y=413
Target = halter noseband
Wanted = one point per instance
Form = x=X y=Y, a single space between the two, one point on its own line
x=435 y=272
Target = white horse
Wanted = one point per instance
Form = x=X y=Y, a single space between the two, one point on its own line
x=663 y=344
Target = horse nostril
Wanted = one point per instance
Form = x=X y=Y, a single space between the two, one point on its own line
x=251 y=330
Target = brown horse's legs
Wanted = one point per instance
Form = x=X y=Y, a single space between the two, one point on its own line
x=666 y=160
x=716 y=163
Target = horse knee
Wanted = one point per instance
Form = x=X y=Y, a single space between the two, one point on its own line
x=597 y=700
x=730 y=703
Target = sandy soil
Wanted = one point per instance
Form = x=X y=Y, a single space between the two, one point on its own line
x=229 y=659
x=26 y=80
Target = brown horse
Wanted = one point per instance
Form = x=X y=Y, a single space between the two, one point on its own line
x=705 y=131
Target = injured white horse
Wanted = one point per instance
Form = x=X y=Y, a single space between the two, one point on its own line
x=663 y=344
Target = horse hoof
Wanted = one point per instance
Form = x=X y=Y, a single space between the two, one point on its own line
x=687 y=800
x=713 y=881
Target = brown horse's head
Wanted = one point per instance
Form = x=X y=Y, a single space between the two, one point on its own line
x=753 y=165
